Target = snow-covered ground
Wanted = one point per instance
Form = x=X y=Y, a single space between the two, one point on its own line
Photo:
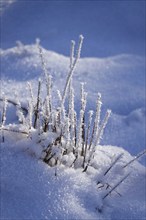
x=29 y=187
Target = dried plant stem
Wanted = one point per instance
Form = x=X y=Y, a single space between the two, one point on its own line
x=72 y=69
x=36 y=113
x=116 y=185
x=102 y=127
x=81 y=129
x=3 y=121
x=31 y=94
x=87 y=136
x=72 y=53
x=97 y=119
x=135 y=158
x=11 y=130
x=25 y=110
x=98 y=137
x=113 y=163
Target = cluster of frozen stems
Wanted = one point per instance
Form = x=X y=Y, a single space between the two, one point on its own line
x=75 y=135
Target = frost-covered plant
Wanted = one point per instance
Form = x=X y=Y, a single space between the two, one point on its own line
x=75 y=140
x=3 y=118
x=57 y=135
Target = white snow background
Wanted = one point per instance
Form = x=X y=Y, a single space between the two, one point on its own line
x=113 y=64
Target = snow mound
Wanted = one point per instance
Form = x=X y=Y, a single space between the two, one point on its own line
x=30 y=189
x=121 y=74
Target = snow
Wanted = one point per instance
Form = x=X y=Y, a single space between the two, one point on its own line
x=30 y=189
x=113 y=64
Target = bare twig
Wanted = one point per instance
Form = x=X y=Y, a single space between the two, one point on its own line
x=113 y=163
x=135 y=158
x=37 y=105
x=16 y=131
x=72 y=69
x=15 y=104
x=116 y=185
